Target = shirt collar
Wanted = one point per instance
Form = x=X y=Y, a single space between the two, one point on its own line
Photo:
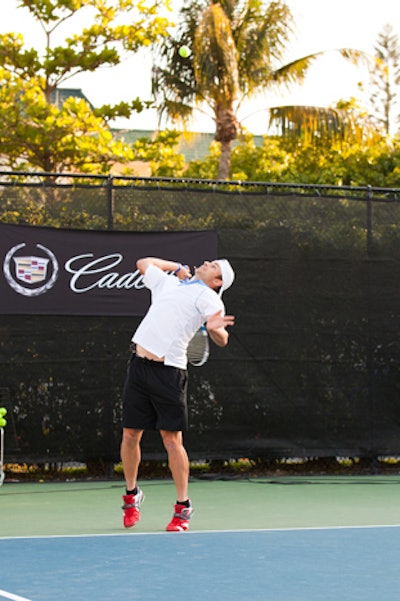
x=193 y=281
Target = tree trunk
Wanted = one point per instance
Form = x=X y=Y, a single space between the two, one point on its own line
x=227 y=128
x=225 y=160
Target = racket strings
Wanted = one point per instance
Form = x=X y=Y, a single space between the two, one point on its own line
x=198 y=349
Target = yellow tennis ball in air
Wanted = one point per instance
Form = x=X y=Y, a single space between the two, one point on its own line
x=184 y=51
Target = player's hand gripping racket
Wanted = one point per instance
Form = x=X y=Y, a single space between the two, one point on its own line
x=198 y=349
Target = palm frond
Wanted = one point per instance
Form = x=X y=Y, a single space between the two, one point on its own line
x=356 y=57
x=296 y=71
x=293 y=72
x=215 y=57
x=261 y=37
x=315 y=125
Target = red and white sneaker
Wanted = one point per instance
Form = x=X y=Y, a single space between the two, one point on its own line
x=131 y=508
x=180 y=519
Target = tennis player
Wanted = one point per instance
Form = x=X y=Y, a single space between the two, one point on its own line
x=155 y=391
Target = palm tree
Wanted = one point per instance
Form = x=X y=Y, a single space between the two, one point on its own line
x=237 y=49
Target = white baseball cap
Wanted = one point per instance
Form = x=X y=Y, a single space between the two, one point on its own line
x=228 y=275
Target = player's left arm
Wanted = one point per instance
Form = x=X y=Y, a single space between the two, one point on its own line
x=216 y=327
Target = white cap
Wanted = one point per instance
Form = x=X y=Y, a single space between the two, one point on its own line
x=228 y=275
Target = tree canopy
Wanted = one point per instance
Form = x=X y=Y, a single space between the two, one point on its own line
x=34 y=130
x=238 y=49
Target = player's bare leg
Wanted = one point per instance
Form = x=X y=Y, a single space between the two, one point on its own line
x=131 y=456
x=178 y=462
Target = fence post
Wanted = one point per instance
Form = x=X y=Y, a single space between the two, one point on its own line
x=110 y=202
x=369 y=221
x=370 y=339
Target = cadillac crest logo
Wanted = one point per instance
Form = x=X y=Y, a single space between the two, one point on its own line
x=30 y=270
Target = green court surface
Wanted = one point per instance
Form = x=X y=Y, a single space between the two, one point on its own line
x=77 y=508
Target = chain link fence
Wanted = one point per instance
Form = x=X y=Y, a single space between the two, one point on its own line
x=312 y=367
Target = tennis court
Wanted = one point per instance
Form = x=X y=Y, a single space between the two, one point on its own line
x=278 y=539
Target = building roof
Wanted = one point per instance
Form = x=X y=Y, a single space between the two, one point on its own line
x=60 y=95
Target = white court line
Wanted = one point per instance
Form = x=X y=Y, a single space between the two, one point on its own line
x=201 y=532
x=12 y=596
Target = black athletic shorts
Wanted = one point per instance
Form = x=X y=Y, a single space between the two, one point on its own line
x=154 y=396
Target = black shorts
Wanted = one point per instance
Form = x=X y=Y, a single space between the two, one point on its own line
x=154 y=396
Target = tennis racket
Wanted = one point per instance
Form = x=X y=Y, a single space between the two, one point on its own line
x=198 y=349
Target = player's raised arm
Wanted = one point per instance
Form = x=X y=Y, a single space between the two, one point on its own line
x=181 y=271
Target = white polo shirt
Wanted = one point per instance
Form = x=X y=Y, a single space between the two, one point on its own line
x=178 y=308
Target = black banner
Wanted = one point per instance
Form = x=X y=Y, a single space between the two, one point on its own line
x=72 y=272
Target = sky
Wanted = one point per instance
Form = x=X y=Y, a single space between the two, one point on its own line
x=320 y=25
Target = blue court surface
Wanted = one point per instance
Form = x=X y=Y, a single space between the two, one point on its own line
x=312 y=564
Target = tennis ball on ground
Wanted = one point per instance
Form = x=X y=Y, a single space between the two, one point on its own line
x=3 y=411
x=3 y=422
x=184 y=51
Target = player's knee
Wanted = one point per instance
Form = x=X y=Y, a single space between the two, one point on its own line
x=131 y=436
x=171 y=440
